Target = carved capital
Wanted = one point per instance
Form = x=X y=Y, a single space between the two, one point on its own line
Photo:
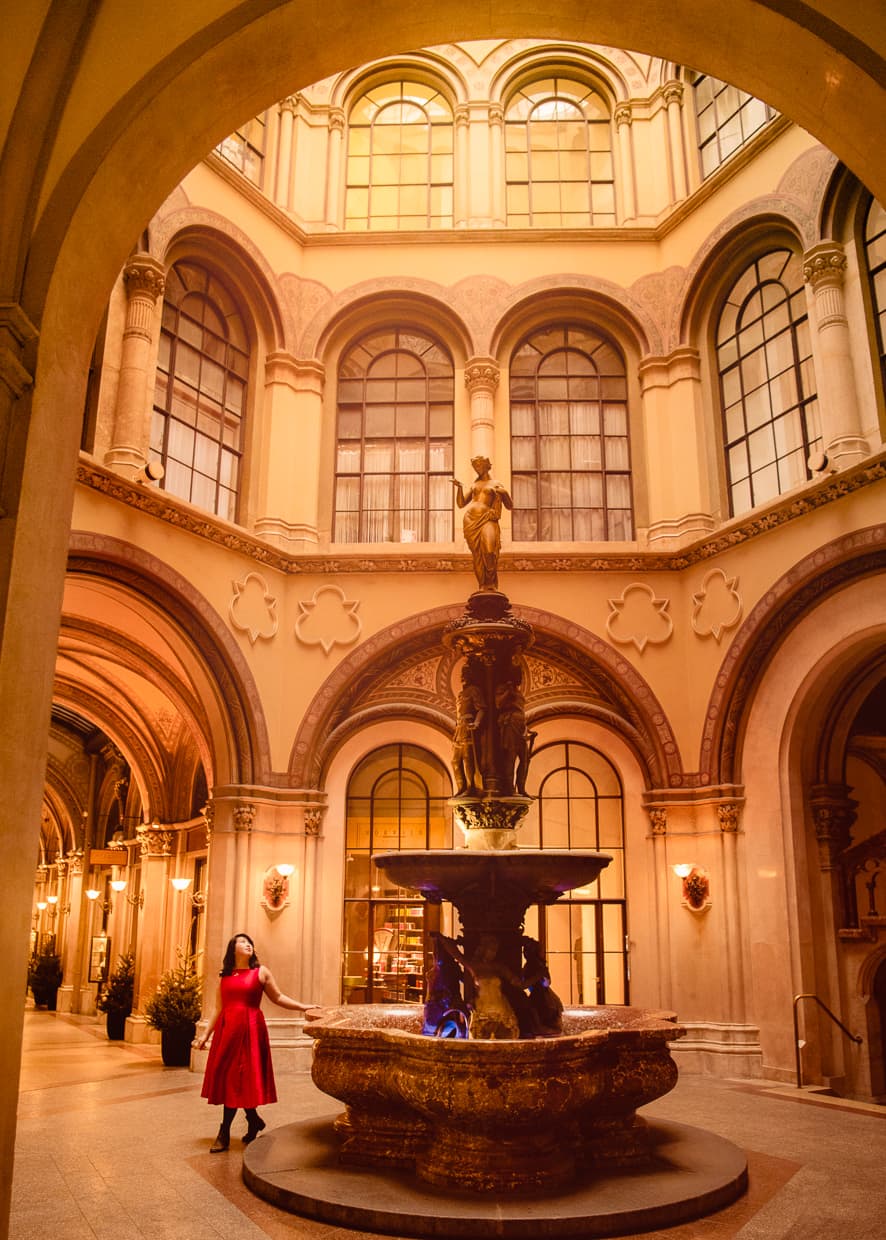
x=244 y=817
x=623 y=115
x=728 y=815
x=313 y=821
x=145 y=277
x=482 y=375
x=75 y=862
x=154 y=840
x=62 y=866
x=496 y=114
x=461 y=115
x=658 y=820
x=824 y=264
x=673 y=93
x=833 y=813
x=289 y=104
x=336 y=120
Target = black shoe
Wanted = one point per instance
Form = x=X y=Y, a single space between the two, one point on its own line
x=222 y=1141
x=253 y=1130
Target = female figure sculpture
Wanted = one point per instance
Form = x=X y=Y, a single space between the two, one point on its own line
x=482 y=503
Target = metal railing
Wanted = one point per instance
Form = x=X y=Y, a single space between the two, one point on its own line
x=849 y=1034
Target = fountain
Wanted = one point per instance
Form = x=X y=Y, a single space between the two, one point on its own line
x=519 y=1115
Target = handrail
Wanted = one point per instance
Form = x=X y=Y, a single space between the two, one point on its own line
x=849 y=1034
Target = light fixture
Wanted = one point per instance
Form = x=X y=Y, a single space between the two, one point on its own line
x=275 y=887
x=285 y=869
x=92 y=893
x=52 y=899
x=118 y=884
x=41 y=905
x=180 y=884
x=696 y=892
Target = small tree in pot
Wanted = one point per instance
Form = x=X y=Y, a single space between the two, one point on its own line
x=174 y=1009
x=116 y=998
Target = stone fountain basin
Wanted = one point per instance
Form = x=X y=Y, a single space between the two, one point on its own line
x=493 y=1115
x=541 y=875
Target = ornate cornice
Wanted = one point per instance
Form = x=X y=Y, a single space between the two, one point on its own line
x=165 y=508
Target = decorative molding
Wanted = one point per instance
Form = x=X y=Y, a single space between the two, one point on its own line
x=825 y=263
x=244 y=816
x=313 y=821
x=315 y=613
x=244 y=599
x=658 y=820
x=154 y=840
x=717 y=606
x=641 y=619
x=729 y=816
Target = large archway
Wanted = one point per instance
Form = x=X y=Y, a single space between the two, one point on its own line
x=74 y=198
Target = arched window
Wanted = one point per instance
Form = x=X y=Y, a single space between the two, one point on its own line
x=394 y=440
x=767 y=381
x=727 y=118
x=200 y=391
x=397 y=798
x=400 y=144
x=570 y=451
x=875 y=261
x=580 y=804
x=558 y=151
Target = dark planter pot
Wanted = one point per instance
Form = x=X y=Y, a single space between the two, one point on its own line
x=115 y=1023
x=175 y=1046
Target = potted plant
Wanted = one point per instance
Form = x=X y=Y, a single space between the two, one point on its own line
x=174 y=1009
x=116 y=998
x=45 y=977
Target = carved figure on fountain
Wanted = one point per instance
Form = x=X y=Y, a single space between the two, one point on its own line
x=444 y=1006
x=545 y=1005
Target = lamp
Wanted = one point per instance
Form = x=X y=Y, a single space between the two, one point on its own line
x=180 y=884
x=696 y=893
x=118 y=884
x=275 y=887
x=92 y=893
x=41 y=905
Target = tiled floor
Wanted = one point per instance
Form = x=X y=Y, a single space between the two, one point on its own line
x=111 y=1144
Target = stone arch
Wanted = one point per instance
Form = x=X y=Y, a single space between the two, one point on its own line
x=406 y=672
x=238 y=749
x=424 y=65
x=605 y=304
x=379 y=303
x=583 y=63
x=790 y=599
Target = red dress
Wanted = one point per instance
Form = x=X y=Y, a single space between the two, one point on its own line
x=238 y=1070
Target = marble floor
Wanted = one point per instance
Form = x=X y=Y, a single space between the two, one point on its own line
x=112 y=1144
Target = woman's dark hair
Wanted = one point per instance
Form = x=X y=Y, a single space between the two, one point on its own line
x=228 y=963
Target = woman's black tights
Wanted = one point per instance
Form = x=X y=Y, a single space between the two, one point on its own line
x=252 y=1119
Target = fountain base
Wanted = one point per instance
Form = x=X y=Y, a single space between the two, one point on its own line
x=690 y=1174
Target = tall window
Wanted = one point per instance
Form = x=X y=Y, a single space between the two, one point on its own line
x=570 y=454
x=394 y=440
x=581 y=805
x=767 y=381
x=245 y=149
x=200 y=390
x=400 y=144
x=397 y=799
x=727 y=118
x=875 y=260
x=558 y=140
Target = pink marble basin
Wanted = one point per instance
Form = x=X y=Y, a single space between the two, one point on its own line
x=493 y=1116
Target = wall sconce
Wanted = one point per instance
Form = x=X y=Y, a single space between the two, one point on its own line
x=93 y=894
x=180 y=884
x=118 y=884
x=275 y=888
x=696 y=894
x=138 y=900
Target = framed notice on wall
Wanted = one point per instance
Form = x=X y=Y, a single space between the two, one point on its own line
x=99 y=955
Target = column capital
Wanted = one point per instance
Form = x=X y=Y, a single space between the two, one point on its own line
x=289 y=104
x=244 y=817
x=833 y=813
x=496 y=114
x=658 y=819
x=313 y=820
x=824 y=264
x=482 y=374
x=302 y=375
x=673 y=92
x=336 y=120
x=729 y=816
x=154 y=840
x=144 y=276
x=623 y=114
x=461 y=114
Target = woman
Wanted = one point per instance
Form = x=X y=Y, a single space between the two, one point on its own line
x=238 y=1070
x=483 y=501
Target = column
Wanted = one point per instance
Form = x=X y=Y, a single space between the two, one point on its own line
x=144 y=279
x=17 y=336
x=461 y=196
x=285 y=152
x=333 y=168
x=497 y=205
x=824 y=269
x=155 y=845
x=292 y=426
x=75 y=939
x=658 y=824
x=674 y=432
x=673 y=97
x=728 y=816
x=626 y=182
x=481 y=379
x=313 y=820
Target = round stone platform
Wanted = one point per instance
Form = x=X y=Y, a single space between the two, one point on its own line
x=693 y=1173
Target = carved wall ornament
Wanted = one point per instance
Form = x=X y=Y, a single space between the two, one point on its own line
x=658 y=820
x=244 y=817
x=696 y=890
x=313 y=821
x=623 y=114
x=154 y=840
x=421 y=676
x=253 y=608
x=208 y=813
x=824 y=263
x=717 y=606
x=639 y=617
x=728 y=817
x=274 y=891
x=328 y=619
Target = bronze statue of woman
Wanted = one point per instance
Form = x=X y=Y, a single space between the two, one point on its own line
x=482 y=502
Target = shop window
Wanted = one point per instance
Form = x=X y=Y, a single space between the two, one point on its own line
x=394 y=440
x=397 y=799
x=570 y=447
x=580 y=805
x=200 y=390
x=767 y=381
x=558 y=157
x=875 y=261
x=245 y=149
x=727 y=118
x=400 y=159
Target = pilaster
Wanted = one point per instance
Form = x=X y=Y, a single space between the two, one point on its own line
x=144 y=279
x=482 y=377
x=293 y=418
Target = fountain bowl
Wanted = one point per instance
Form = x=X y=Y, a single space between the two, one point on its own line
x=493 y=1116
